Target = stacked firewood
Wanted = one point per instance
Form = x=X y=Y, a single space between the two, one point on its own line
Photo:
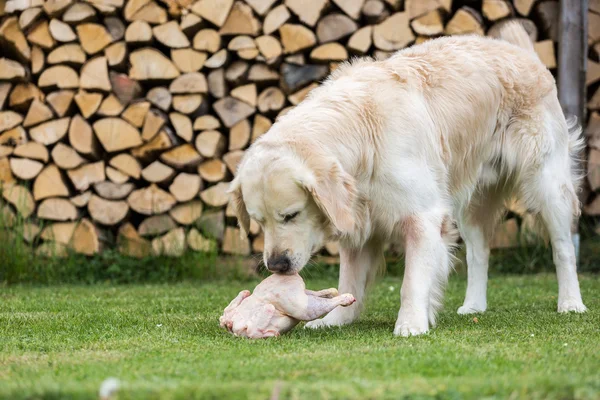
x=122 y=121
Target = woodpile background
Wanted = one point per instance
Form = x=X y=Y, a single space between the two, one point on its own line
x=122 y=121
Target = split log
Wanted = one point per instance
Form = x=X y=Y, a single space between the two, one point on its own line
x=5 y=151
x=466 y=20
x=182 y=125
x=269 y=47
x=334 y=27
x=308 y=14
x=82 y=138
x=206 y=122
x=214 y=11
x=190 y=104
x=297 y=76
x=416 y=8
x=217 y=60
x=5 y=88
x=57 y=209
x=210 y=144
x=298 y=96
x=113 y=191
x=148 y=151
x=94 y=75
x=172 y=244
x=32 y=150
x=61 y=101
x=187 y=213
x=124 y=88
x=197 y=242
x=59 y=76
x=22 y=96
x=216 y=196
x=231 y=111
x=429 y=24
x=11 y=70
x=183 y=156
x=235 y=243
x=236 y=72
x=59 y=232
x=115 y=27
x=258 y=244
x=116 y=176
x=138 y=33
x=132 y=7
x=107 y=212
x=241 y=42
x=261 y=125
x=213 y=171
x=79 y=13
x=40 y=36
x=190 y=24
x=494 y=10
x=232 y=160
x=170 y=35
x=13 y=37
x=192 y=82
x=158 y=172
x=160 y=97
x=239 y=134
x=116 y=54
x=21 y=199
x=30 y=232
x=115 y=134
x=148 y=64
x=547 y=13
x=375 y=11
x=131 y=244
x=275 y=19
x=29 y=17
x=295 y=38
x=216 y=83
x=14 y=137
x=38 y=60
x=136 y=113
x=545 y=51
x=86 y=175
x=8 y=218
x=25 y=169
x=66 y=157
x=87 y=238
x=9 y=120
x=394 y=33
x=52 y=250
x=594 y=169
x=50 y=132
x=87 y=102
x=151 y=13
x=93 y=37
x=240 y=21
x=6 y=176
x=67 y=54
x=50 y=183
x=54 y=8
x=81 y=200
x=262 y=73
x=207 y=40
x=188 y=60
x=185 y=187
x=151 y=200
x=111 y=107
x=61 y=32
x=152 y=124
x=246 y=93
x=156 y=225
x=350 y=7
x=329 y=52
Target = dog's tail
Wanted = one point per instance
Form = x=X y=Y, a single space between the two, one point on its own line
x=514 y=33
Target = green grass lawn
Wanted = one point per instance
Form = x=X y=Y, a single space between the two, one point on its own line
x=163 y=341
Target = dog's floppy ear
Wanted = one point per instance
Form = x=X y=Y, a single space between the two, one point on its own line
x=335 y=193
x=239 y=207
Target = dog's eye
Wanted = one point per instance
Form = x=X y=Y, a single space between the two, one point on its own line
x=289 y=217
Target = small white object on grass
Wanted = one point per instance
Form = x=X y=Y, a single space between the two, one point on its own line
x=109 y=388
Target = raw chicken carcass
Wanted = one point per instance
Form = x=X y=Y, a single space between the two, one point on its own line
x=277 y=305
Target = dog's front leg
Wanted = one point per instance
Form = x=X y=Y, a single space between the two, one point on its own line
x=358 y=268
x=427 y=265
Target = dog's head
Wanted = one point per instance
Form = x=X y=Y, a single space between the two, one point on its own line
x=300 y=201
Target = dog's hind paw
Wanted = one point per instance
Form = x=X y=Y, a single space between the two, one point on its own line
x=471 y=309
x=571 y=306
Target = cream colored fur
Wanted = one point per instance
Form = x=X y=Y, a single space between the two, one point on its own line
x=392 y=150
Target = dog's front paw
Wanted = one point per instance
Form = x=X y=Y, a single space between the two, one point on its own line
x=406 y=329
x=571 y=305
x=411 y=322
x=471 y=308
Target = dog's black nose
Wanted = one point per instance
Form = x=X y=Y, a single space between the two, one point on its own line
x=279 y=263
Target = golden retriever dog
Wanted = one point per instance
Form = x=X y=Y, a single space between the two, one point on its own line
x=394 y=151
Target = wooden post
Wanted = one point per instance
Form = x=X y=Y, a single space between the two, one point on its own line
x=572 y=65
